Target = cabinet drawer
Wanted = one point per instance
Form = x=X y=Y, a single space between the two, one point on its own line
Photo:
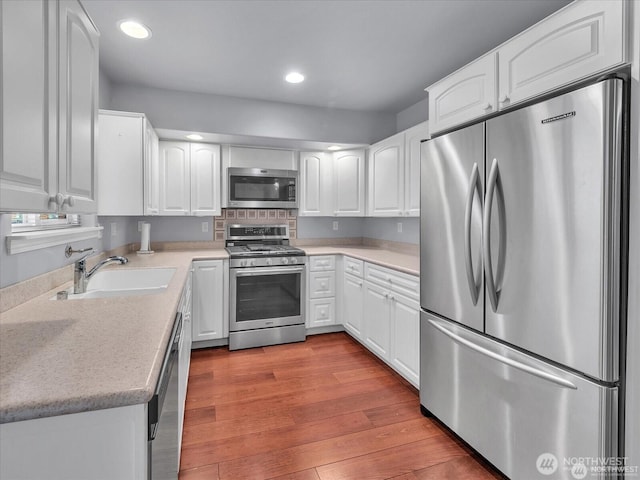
x=398 y=282
x=323 y=262
x=322 y=312
x=322 y=284
x=353 y=266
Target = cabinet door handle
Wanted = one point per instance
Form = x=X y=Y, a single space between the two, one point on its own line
x=70 y=200
x=504 y=98
x=487 y=106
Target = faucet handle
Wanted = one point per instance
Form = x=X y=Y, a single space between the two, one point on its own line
x=70 y=251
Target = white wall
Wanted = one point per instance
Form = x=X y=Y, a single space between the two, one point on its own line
x=238 y=116
x=104 y=90
x=415 y=114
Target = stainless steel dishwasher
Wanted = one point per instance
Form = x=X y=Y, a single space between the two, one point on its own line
x=163 y=414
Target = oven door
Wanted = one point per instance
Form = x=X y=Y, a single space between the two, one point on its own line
x=266 y=297
x=260 y=188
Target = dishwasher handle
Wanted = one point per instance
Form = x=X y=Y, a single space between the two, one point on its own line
x=169 y=363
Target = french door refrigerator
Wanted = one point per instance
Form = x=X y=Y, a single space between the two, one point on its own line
x=520 y=284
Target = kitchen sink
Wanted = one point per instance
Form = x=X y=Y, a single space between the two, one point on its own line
x=124 y=282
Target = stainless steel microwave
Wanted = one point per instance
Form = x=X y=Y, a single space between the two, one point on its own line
x=262 y=188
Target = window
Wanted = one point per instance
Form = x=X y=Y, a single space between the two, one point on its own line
x=25 y=222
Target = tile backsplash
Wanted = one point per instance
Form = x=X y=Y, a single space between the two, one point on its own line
x=255 y=217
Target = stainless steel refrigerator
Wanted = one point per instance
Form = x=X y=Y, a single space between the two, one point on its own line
x=520 y=283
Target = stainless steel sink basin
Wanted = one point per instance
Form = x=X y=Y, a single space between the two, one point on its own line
x=124 y=282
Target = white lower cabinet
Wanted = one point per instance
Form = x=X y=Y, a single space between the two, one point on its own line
x=184 y=354
x=209 y=299
x=382 y=311
x=377 y=328
x=321 y=300
x=353 y=305
x=405 y=337
x=109 y=443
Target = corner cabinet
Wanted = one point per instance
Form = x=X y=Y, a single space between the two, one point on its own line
x=393 y=173
x=209 y=300
x=49 y=95
x=189 y=178
x=332 y=184
x=581 y=40
x=385 y=173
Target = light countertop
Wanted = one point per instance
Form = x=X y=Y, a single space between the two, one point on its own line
x=61 y=357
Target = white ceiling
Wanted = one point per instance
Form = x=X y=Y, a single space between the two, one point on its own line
x=368 y=55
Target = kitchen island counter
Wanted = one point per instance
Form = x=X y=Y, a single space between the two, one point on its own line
x=71 y=356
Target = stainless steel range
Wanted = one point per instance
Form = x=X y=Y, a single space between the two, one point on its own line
x=266 y=286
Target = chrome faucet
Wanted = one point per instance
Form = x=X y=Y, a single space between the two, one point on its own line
x=80 y=275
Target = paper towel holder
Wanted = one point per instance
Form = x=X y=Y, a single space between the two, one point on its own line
x=145 y=240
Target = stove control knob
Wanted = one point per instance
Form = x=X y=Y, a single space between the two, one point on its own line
x=243 y=263
x=293 y=260
x=269 y=261
x=285 y=261
x=252 y=263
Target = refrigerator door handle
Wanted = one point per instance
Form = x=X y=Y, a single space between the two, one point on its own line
x=502 y=359
x=491 y=281
x=474 y=186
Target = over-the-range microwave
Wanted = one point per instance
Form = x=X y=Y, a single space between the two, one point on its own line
x=262 y=188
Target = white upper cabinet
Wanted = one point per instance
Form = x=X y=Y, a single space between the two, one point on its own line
x=466 y=94
x=175 y=178
x=348 y=183
x=315 y=188
x=332 y=184
x=49 y=96
x=120 y=163
x=77 y=108
x=393 y=172
x=205 y=179
x=27 y=106
x=151 y=172
x=585 y=38
x=385 y=172
x=189 y=178
x=412 y=140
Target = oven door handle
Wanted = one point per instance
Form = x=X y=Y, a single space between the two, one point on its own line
x=255 y=272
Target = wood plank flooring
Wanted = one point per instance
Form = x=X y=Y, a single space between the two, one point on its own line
x=325 y=409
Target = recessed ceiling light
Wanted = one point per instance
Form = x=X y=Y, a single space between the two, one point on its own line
x=334 y=147
x=194 y=136
x=134 y=29
x=294 y=77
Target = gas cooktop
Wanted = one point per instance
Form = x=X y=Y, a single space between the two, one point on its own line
x=260 y=250
x=260 y=241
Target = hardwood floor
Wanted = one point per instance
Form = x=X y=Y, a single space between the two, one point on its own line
x=325 y=409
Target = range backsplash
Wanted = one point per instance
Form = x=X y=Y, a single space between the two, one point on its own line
x=254 y=217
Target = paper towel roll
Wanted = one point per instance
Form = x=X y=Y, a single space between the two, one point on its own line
x=146 y=239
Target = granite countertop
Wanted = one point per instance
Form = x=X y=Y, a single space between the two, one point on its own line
x=398 y=261
x=61 y=357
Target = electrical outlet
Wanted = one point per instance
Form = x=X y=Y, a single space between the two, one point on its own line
x=140 y=222
x=399 y=227
x=205 y=227
x=114 y=229
x=335 y=224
